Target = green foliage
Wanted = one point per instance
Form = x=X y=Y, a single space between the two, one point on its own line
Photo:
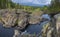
x=7 y=4
x=55 y=6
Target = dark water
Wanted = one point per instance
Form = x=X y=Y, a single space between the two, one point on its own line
x=35 y=29
x=6 y=32
x=32 y=29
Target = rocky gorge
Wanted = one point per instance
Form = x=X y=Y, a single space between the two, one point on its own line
x=25 y=24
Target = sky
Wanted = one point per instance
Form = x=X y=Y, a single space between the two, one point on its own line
x=38 y=2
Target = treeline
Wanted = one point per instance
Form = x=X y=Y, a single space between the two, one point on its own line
x=53 y=7
x=9 y=4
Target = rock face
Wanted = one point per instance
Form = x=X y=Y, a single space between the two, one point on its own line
x=57 y=17
x=14 y=17
x=8 y=18
x=35 y=17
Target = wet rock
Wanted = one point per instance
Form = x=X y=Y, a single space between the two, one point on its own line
x=57 y=17
x=8 y=18
x=17 y=33
x=35 y=17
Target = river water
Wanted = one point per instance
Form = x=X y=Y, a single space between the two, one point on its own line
x=6 y=32
x=31 y=29
x=35 y=29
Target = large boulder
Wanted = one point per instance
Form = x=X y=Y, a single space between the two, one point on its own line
x=8 y=18
x=35 y=17
x=13 y=18
x=22 y=19
x=57 y=18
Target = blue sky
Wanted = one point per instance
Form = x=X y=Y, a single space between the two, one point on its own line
x=37 y=2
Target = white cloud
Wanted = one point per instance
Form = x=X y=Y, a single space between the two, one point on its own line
x=36 y=2
x=25 y=1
